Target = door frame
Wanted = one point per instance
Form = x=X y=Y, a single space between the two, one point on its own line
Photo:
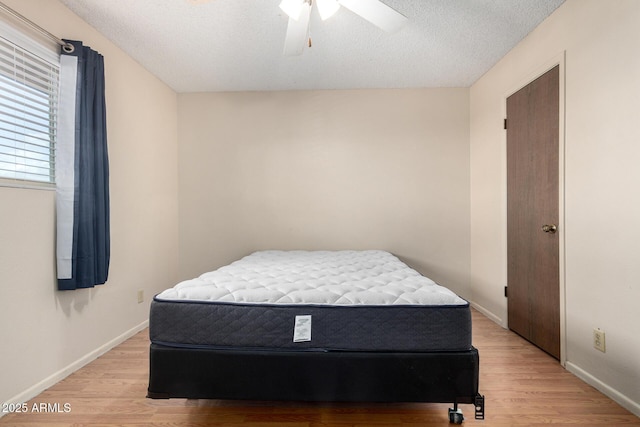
x=538 y=71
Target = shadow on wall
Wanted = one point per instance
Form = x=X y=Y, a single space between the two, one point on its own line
x=74 y=301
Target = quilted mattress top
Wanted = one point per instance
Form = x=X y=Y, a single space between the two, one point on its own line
x=346 y=278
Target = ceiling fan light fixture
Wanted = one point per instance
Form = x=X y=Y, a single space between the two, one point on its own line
x=299 y=11
x=292 y=8
x=327 y=8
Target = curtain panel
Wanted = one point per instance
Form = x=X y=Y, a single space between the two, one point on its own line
x=82 y=171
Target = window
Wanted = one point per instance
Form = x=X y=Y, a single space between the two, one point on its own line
x=28 y=105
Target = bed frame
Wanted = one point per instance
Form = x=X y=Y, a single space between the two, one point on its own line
x=336 y=376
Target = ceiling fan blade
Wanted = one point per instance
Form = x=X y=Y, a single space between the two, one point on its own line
x=327 y=8
x=376 y=12
x=292 y=8
x=298 y=32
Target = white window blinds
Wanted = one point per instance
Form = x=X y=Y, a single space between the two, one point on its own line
x=28 y=105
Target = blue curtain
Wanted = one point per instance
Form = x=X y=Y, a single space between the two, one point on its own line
x=82 y=171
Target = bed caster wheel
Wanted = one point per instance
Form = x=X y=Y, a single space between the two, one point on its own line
x=455 y=416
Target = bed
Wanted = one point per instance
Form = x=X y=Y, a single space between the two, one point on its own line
x=337 y=326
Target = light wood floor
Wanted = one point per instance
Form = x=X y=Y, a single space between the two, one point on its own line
x=522 y=386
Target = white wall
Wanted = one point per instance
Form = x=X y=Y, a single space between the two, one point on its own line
x=361 y=169
x=602 y=203
x=44 y=332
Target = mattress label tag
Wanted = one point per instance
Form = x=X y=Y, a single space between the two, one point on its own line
x=302 y=329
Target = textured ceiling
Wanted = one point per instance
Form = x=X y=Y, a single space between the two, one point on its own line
x=236 y=45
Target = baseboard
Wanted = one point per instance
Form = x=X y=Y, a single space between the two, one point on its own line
x=613 y=394
x=38 y=388
x=488 y=314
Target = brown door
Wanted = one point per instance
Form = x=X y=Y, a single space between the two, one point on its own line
x=532 y=212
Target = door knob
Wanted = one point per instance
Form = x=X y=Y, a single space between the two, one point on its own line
x=549 y=228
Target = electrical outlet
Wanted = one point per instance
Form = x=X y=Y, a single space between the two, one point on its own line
x=140 y=296
x=598 y=340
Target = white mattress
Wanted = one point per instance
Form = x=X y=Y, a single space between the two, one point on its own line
x=341 y=278
x=312 y=301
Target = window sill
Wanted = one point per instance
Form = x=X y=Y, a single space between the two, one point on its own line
x=31 y=185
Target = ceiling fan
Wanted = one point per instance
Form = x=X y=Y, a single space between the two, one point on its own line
x=299 y=12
